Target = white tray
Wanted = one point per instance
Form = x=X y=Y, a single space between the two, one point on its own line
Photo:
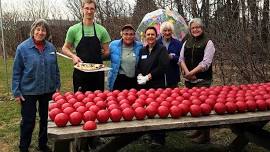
x=93 y=70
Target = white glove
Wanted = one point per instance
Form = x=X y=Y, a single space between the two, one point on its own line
x=142 y=79
x=139 y=76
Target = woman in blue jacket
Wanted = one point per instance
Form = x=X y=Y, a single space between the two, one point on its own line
x=173 y=47
x=35 y=78
x=124 y=58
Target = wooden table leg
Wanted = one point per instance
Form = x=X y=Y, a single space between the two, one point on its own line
x=63 y=146
x=249 y=132
x=259 y=137
x=119 y=142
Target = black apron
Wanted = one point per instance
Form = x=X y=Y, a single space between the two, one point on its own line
x=89 y=51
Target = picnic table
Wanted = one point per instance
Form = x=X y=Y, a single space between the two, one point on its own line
x=248 y=127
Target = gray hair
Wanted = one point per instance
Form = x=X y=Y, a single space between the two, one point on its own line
x=197 y=21
x=43 y=23
x=166 y=25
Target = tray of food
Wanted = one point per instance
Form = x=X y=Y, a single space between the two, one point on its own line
x=91 y=67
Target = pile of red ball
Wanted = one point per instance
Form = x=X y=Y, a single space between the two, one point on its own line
x=127 y=105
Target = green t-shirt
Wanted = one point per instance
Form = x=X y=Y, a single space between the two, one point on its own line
x=74 y=33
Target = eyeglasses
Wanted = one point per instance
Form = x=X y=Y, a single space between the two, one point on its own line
x=89 y=8
x=196 y=27
x=128 y=34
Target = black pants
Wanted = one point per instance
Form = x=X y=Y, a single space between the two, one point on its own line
x=123 y=82
x=28 y=113
x=88 y=81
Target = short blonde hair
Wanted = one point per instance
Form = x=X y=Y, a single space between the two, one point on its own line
x=89 y=2
x=166 y=25
x=197 y=21
x=43 y=23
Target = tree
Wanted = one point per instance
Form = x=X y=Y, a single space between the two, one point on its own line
x=35 y=9
x=141 y=8
x=75 y=8
x=194 y=8
x=265 y=22
x=179 y=6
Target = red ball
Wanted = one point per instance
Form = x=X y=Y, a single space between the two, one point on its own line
x=78 y=104
x=210 y=101
x=55 y=95
x=251 y=105
x=53 y=113
x=81 y=109
x=124 y=106
x=220 y=108
x=61 y=120
x=90 y=125
x=268 y=102
x=103 y=116
x=196 y=101
x=166 y=104
x=231 y=107
x=136 y=105
x=94 y=108
x=131 y=98
x=206 y=109
x=184 y=108
x=175 y=112
x=87 y=100
x=241 y=106
x=151 y=111
x=68 y=110
x=61 y=101
x=101 y=104
x=163 y=111
x=140 y=113
x=72 y=101
x=89 y=116
x=115 y=115
x=128 y=114
x=187 y=102
x=65 y=105
x=80 y=97
x=75 y=118
x=58 y=97
x=261 y=105
x=89 y=104
x=53 y=105
x=195 y=110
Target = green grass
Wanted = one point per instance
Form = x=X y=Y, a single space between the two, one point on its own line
x=10 y=110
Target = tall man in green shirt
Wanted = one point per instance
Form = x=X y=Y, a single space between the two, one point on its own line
x=91 y=41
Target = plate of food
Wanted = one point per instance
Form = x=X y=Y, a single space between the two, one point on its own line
x=91 y=67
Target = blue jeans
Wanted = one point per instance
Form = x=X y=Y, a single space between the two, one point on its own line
x=28 y=113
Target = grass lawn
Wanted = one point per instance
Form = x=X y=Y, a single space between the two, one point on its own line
x=175 y=141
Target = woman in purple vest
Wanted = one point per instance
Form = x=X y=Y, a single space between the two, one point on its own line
x=195 y=61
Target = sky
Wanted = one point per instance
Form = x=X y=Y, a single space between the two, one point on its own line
x=9 y=5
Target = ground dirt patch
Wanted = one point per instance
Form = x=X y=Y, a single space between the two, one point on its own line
x=4 y=147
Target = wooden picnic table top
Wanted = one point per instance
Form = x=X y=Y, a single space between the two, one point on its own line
x=186 y=122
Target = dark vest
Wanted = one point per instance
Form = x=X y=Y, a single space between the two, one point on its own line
x=194 y=52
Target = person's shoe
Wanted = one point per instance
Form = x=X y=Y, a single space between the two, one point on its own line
x=44 y=149
x=22 y=150
x=194 y=134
